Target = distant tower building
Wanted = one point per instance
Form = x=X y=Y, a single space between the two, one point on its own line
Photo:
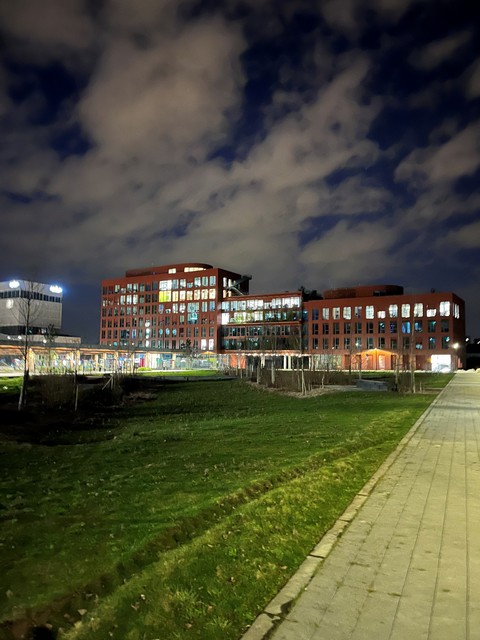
x=26 y=303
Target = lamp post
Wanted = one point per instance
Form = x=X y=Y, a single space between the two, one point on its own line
x=455 y=346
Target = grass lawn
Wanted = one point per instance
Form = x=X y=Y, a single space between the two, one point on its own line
x=10 y=385
x=191 y=373
x=181 y=517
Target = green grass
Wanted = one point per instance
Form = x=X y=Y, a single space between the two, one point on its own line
x=10 y=385
x=189 y=512
x=191 y=373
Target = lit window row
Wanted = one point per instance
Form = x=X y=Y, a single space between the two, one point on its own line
x=198 y=294
x=182 y=283
x=252 y=304
x=354 y=344
x=273 y=315
x=418 y=308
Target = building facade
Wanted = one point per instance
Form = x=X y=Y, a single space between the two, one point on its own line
x=198 y=309
x=29 y=306
x=171 y=308
x=381 y=327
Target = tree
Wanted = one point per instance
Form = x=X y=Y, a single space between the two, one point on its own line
x=27 y=310
x=297 y=344
x=50 y=336
x=187 y=352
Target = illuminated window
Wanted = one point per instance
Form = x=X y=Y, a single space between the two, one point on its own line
x=418 y=326
x=405 y=310
x=347 y=313
x=381 y=314
x=358 y=312
x=418 y=310
x=406 y=327
x=456 y=311
x=326 y=313
x=336 y=313
x=445 y=308
x=369 y=311
x=445 y=342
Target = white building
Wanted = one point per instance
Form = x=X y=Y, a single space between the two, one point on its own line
x=26 y=303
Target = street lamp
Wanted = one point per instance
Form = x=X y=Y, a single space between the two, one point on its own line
x=455 y=346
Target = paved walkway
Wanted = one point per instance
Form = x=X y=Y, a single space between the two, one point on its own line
x=407 y=566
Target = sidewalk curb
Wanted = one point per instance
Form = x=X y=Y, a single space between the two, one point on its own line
x=277 y=609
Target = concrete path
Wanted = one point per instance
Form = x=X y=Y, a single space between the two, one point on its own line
x=407 y=567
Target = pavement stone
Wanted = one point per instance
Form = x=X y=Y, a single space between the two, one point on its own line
x=403 y=562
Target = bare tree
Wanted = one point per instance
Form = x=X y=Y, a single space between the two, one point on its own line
x=50 y=336
x=27 y=310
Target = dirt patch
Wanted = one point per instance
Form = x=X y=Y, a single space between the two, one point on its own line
x=309 y=393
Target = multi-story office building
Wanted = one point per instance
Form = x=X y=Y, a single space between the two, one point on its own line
x=29 y=305
x=204 y=309
x=170 y=308
x=263 y=324
x=381 y=327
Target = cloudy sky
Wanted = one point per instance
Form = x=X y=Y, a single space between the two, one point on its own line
x=319 y=143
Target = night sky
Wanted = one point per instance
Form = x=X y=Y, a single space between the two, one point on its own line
x=320 y=144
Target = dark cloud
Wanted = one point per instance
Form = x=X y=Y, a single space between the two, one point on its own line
x=317 y=143
x=440 y=51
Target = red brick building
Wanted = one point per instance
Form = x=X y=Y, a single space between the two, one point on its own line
x=207 y=310
x=167 y=307
x=381 y=327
